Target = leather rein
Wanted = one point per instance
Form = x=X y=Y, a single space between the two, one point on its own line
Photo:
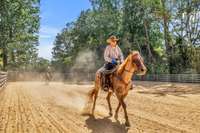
x=120 y=78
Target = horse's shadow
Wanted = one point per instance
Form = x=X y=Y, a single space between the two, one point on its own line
x=104 y=125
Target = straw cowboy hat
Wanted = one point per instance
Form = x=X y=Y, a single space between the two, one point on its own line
x=112 y=39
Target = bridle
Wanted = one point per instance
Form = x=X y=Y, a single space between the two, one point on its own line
x=137 y=63
x=128 y=71
x=120 y=78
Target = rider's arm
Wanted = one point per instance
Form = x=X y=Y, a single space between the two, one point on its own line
x=106 y=55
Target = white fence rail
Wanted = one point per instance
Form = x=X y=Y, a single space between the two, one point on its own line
x=184 y=78
x=3 y=79
x=89 y=76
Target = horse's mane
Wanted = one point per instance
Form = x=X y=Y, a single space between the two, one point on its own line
x=122 y=66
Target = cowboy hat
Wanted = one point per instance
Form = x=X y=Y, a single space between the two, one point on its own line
x=112 y=39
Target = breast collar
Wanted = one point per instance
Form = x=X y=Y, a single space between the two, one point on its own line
x=121 y=79
x=128 y=71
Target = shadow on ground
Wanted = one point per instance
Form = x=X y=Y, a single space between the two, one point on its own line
x=104 y=125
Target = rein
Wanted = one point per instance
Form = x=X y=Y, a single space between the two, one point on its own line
x=121 y=79
x=128 y=71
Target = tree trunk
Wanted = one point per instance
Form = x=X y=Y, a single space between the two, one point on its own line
x=166 y=29
x=167 y=36
x=138 y=46
x=147 y=41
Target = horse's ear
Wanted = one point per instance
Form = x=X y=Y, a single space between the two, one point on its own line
x=135 y=53
x=122 y=66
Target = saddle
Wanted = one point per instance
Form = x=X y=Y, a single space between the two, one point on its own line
x=106 y=77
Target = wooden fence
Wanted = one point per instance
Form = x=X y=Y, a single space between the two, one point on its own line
x=183 y=78
x=89 y=76
x=3 y=79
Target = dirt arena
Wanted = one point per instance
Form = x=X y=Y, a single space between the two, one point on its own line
x=153 y=107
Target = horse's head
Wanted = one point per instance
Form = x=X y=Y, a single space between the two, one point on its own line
x=138 y=63
x=134 y=63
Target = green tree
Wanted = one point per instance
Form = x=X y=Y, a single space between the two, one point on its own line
x=166 y=32
x=42 y=65
x=19 y=24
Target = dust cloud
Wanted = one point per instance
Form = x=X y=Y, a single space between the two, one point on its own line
x=71 y=100
x=85 y=60
x=77 y=98
x=84 y=67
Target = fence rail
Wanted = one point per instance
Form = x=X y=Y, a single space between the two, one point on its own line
x=90 y=76
x=183 y=78
x=3 y=79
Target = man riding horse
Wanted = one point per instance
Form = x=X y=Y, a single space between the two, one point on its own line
x=113 y=56
x=121 y=79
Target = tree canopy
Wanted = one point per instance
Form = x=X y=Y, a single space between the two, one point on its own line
x=19 y=26
x=166 y=32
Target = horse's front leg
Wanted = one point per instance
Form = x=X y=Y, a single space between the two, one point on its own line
x=117 y=110
x=108 y=100
x=127 y=123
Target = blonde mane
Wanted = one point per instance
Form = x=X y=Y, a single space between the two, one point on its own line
x=122 y=66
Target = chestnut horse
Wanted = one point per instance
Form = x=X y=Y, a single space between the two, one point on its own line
x=121 y=82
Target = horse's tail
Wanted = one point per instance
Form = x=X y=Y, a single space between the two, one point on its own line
x=95 y=89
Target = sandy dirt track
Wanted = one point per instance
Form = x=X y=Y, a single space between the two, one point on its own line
x=152 y=107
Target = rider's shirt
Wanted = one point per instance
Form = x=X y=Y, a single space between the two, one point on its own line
x=113 y=52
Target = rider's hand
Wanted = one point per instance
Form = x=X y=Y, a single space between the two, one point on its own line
x=114 y=61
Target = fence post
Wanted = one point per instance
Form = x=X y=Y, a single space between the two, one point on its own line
x=3 y=79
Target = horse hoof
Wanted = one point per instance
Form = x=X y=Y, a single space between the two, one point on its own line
x=127 y=124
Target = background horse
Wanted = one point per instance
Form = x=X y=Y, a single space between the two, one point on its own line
x=121 y=83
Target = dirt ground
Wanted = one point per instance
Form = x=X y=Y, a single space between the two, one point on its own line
x=153 y=107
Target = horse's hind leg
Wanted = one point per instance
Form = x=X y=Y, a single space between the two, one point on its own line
x=94 y=103
x=89 y=102
x=96 y=88
x=108 y=100
x=91 y=94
